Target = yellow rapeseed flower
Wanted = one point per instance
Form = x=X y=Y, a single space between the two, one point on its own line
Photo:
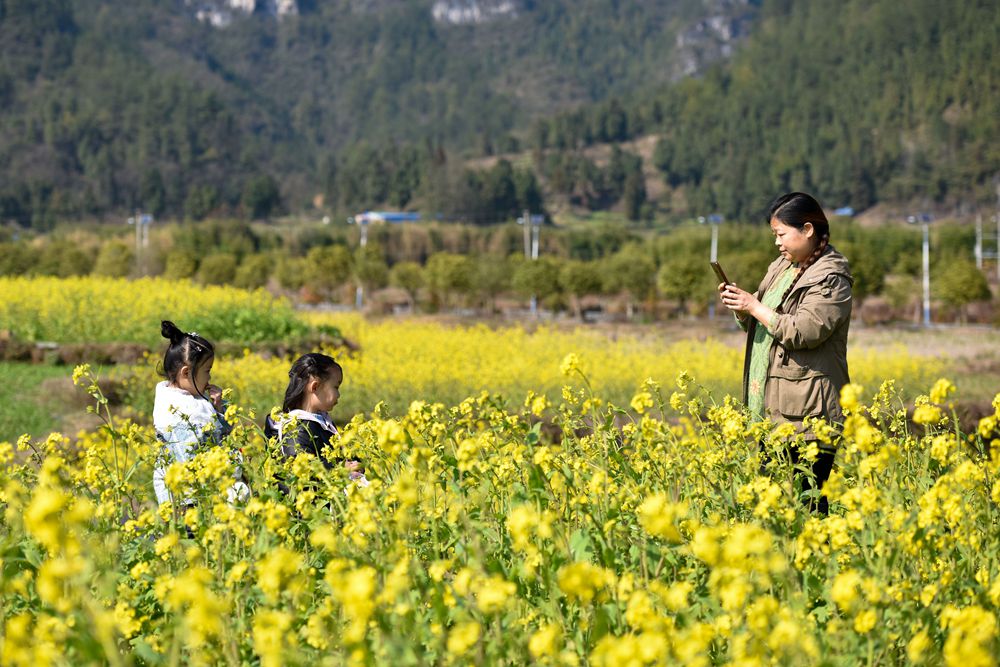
x=493 y=593
x=546 y=641
x=271 y=636
x=463 y=637
x=972 y=636
x=660 y=517
x=583 y=581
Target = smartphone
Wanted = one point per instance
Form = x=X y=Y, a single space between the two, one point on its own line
x=720 y=273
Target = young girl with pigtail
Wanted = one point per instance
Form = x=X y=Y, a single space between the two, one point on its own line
x=305 y=426
x=797 y=323
x=187 y=410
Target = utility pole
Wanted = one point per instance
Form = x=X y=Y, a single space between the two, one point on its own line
x=523 y=220
x=996 y=256
x=983 y=242
x=714 y=220
x=142 y=221
x=532 y=229
x=924 y=220
x=979 y=241
x=361 y=220
x=359 y=292
x=927 y=274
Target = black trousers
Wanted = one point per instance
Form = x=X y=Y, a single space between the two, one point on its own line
x=821 y=469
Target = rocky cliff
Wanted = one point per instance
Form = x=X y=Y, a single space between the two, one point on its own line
x=220 y=13
x=713 y=37
x=460 y=12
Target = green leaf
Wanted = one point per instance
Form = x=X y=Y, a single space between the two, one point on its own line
x=146 y=652
x=581 y=546
x=32 y=553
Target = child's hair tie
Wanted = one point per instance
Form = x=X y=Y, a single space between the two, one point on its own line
x=194 y=338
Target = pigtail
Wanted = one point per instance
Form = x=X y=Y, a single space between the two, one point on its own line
x=298 y=376
x=170 y=331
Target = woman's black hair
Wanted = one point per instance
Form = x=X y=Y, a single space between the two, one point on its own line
x=185 y=349
x=307 y=367
x=795 y=209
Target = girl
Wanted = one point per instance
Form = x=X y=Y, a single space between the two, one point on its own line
x=185 y=418
x=796 y=324
x=313 y=389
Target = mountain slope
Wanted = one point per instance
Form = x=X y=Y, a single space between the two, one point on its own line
x=107 y=107
x=857 y=101
x=111 y=106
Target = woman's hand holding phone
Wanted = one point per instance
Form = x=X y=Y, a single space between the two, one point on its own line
x=735 y=299
x=727 y=290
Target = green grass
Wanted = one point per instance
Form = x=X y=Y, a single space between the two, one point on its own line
x=24 y=406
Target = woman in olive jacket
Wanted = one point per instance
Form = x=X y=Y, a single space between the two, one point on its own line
x=797 y=324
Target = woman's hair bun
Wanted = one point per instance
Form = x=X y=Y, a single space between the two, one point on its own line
x=170 y=331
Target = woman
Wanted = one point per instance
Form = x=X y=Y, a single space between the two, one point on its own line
x=796 y=324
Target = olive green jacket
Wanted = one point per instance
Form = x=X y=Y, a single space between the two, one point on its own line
x=808 y=359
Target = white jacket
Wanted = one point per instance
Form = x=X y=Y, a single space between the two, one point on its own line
x=183 y=423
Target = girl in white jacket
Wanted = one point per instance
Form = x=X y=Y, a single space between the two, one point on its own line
x=187 y=412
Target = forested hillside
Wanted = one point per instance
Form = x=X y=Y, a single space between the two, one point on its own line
x=858 y=101
x=107 y=107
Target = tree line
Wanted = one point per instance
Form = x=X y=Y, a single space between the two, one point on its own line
x=443 y=266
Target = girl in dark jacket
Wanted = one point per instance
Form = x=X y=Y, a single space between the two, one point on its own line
x=305 y=426
x=797 y=324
